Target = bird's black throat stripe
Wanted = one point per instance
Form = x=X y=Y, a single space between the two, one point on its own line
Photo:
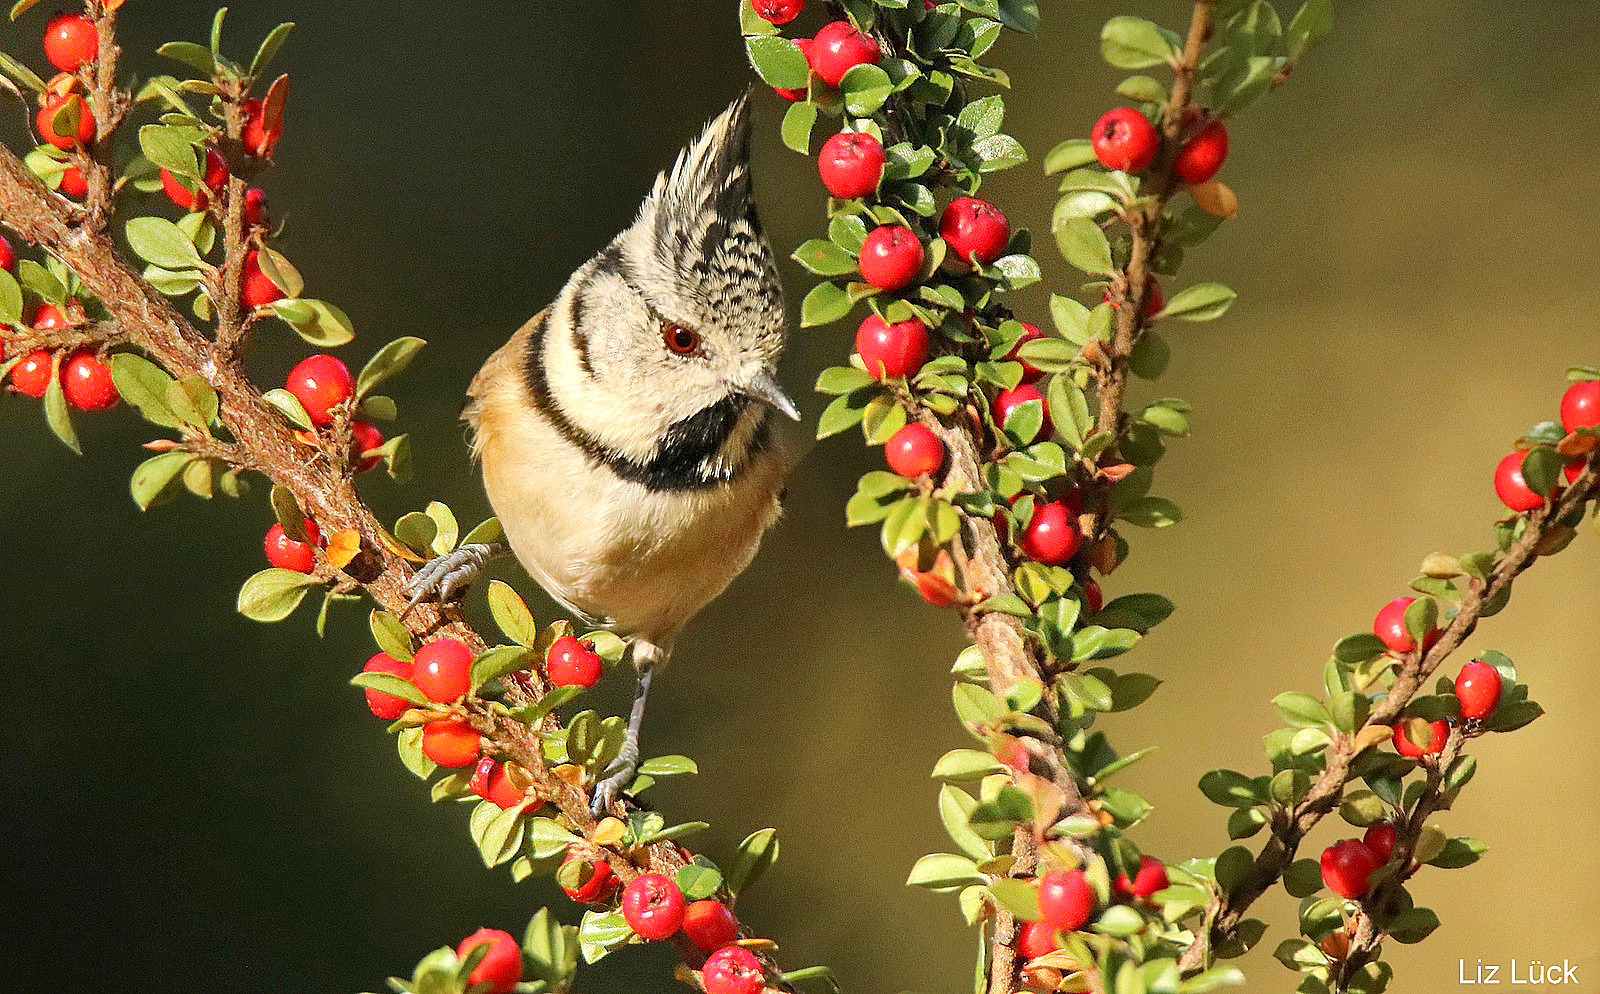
x=686 y=456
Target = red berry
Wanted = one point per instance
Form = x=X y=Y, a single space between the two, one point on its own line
x=1203 y=154
x=1390 y=627
x=1346 y=865
x=364 y=438
x=1580 y=405
x=255 y=208
x=501 y=968
x=442 y=669
x=258 y=141
x=384 y=705
x=1037 y=939
x=1009 y=400
x=975 y=230
x=1030 y=332
x=285 y=553
x=892 y=351
x=1438 y=732
x=805 y=46
x=320 y=383
x=1478 y=689
x=49 y=318
x=891 y=257
x=451 y=743
x=1151 y=877
x=45 y=122
x=258 y=290
x=1124 y=139
x=216 y=179
x=710 y=925
x=492 y=782
x=653 y=906
x=32 y=375
x=733 y=970
x=1512 y=489
x=851 y=164
x=840 y=48
x=73 y=183
x=1051 y=536
x=570 y=663
x=914 y=450
x=70 y=40
x=8 y=255
x=778 y=11
x=1093 y=597
x=600 y=885
x=87 y=382
x=1066 y=900
x=1379 y=838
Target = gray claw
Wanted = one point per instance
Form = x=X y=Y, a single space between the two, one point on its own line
x=617 y=775
x=450 y=575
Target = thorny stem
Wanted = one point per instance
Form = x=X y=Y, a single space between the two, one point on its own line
x=321 y=484
x=1225 y=911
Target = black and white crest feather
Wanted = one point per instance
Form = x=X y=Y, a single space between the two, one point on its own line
x=698 y=233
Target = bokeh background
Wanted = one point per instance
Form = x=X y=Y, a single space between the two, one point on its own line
x=199 y=802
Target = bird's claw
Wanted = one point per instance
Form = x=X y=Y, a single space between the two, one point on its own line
x=616 y=776
x=448 y=576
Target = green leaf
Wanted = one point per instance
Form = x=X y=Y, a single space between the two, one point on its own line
x=1310 y=26
x=826 y=303
x=824 y=258
x=779 y=62
x=391 y=635
x=1143 y=89
x=1020 y=15
x=1152 y=512
x=1018 y=897
x=1201 y=302
x=983 y=117
x=159 y=241
x=1412 y=925
x=328 y=326
x=1301 y=710
x=1134 y=43
x=865 y=88
x=601 y=932
x=290 y=407
x=55 y=407
x=697 y=882
x=196 y=57
x=842 y=380
x=23 y=76
x=272 y=594
x=155 y=481
x=1231 y=789
x=944 y=871
x=390 y=361
x=388 y=683
x=755 y=856
x=269 y=48
x=1084 y=245
x=1070 y=154
x=798 y=122
x=499 y=662
x=667 y=766
x=171 y=148
x=1358 y=648
x=966 y=765
x=511 y=614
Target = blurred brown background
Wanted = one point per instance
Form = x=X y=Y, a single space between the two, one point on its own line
x=198 y=802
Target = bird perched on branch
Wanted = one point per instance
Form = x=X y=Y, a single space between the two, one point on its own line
x=626 y=433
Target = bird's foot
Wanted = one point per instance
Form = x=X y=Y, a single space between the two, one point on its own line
x=617 y=775
x=450 y=575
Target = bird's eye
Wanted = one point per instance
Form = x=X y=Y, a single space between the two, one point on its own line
x=680 y=340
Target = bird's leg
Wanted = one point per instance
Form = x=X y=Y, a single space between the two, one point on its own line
x=646 y=657
x=452 y=573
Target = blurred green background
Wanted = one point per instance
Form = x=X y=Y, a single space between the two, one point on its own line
x=198 y=802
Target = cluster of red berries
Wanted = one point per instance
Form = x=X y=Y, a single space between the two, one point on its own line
x=322 y=384
x=1067 y=903
x=69 y=41
x=85 y=377
x=654 y=907
x=1580 y=408
x=1125 y=139
x=1348 y=864
x=1477 y=686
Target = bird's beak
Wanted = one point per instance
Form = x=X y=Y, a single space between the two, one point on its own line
x=765 y=389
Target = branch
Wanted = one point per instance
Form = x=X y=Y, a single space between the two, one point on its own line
x=1226 y=910
x=322 y=487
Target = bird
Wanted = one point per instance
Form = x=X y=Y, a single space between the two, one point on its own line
x=627 y=434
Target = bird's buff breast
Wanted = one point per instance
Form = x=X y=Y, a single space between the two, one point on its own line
x=641 y=562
